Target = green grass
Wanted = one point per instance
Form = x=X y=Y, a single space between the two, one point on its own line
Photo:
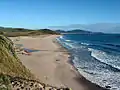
x=13 y=32
x=5 y=80
x=9 y=62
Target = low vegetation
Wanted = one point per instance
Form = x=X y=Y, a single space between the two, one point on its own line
x=4 y=82
x=10 y=64
x=13 y=32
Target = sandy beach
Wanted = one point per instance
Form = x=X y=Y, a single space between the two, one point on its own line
x=51 y=64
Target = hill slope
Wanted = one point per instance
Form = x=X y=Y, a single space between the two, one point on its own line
x=97 y=27
x=77 y=31
x=9 y=62
x=24 y=32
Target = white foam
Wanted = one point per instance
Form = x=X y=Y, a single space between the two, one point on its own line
x=69 y=44
x=111 y=78
x=61 y=37
x=101 y=78
x=105 y=58
x=64 y=43
x=85 y=44
x=68 y=40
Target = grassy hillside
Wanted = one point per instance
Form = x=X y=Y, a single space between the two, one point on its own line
x=9 y=62
x=12 y=32
x=10 y=65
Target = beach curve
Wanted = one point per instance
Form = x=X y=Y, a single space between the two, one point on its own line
x=51 y=65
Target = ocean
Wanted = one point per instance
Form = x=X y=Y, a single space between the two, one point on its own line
x=96 y=56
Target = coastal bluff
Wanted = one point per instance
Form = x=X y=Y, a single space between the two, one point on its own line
x=13 y=74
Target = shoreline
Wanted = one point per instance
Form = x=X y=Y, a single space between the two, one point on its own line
x=80 y=78
x=52 y=64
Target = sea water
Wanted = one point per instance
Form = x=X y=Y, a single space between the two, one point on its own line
x=96 y=56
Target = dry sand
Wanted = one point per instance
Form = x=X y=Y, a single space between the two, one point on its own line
x=51 y=65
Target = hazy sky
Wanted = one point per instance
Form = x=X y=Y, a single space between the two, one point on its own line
x=43 y=13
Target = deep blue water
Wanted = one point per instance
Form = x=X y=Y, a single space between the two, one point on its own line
x=96 y=56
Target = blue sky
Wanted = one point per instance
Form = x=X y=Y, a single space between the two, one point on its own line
x=43 y=13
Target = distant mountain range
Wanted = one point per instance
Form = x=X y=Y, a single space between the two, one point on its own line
x=77 y=31
x=98 y=27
